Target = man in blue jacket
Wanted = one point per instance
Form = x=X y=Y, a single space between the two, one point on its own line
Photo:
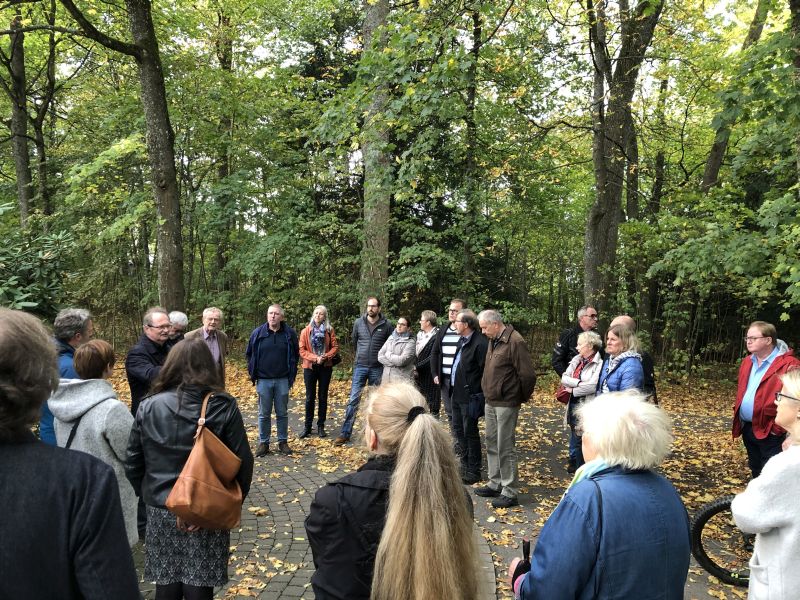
x=272 y=353
x=370 y=332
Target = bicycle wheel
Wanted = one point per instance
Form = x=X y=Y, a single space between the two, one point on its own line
x=718 y=545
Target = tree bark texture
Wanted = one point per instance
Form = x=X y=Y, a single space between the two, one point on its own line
x=794 y=9
x=610 y=113
x=720 y=146
x=378 y=169
x=19 y=121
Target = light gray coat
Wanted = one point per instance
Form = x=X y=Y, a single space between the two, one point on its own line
x=397 y=357
x=103 y=432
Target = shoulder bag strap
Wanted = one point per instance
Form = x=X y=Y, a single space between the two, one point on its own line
x=202 y=420
x=72 y=432
x=599 y=532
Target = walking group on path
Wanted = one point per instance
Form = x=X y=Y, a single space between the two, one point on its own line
x=620 y=530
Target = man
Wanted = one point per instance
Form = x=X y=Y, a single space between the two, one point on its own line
x=759 y=380
x=443 y=353
x=178 y=322
x=145 y=359
x=370 y=332
x=215 y=338
x=468 y=402
x=566 y=347
x=272 y=353
x=649 y=381
x=508 y=381
x=71 y=328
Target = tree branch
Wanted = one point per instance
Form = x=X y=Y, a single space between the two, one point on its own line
x=93 y=33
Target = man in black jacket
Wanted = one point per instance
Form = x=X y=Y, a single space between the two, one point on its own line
x=566 y=347
x=145 y=359
x=370 y=332
x=443 y=353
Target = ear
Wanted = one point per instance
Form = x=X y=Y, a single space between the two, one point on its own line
x=372 y=440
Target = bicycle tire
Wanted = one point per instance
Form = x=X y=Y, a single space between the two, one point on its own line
x=718 y=545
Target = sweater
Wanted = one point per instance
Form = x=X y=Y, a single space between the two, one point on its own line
x=768 y=508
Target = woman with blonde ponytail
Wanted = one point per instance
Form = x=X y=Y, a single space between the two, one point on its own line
x=404 y=516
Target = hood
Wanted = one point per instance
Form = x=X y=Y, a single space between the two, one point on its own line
x=782 y=347
x=74 y=397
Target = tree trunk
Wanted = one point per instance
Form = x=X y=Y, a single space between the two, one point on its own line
x=723 y=134
x=609 y=142
x=794 y=8
x=654 y=205
x=19 y=122
x=224 y=51
x=161 y=155
x=378 y=170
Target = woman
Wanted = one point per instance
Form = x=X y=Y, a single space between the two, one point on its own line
x=580 y=379
x=318 y=346
x=621 y=530
x=62 y=530
x=88 y=413
x=184 y=560
x=374 y=532
x=426 y=338
x=768 y=507
x=398 y=353
x=622 y=368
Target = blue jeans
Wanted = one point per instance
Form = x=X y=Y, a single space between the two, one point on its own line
x=361 y=375
x=575 y=440
x=273 y=391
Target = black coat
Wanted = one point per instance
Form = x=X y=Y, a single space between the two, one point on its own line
x=62 y=534
x=163 y=435
x=344 y=527
x=436 y=352
x=143 y=364
x=470 y=368
x=565 y=349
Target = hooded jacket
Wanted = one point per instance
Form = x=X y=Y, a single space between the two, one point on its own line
x=397 y=357
x=103 y=431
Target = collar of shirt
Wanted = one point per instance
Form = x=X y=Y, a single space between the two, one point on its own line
x=767 y=361
x=206 y=335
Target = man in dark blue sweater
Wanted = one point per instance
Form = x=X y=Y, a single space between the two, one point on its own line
x=272 y=353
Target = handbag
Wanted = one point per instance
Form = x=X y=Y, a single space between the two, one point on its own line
x=562 y=395
x=336 y=359
x=206 y=492
x=477 y=406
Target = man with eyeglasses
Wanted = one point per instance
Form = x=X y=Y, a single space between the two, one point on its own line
x=759 y=380
x=443 y=353
x=370 y=333
x=146 y=357
x=567 y=345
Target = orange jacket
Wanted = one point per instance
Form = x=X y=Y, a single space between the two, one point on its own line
x=308 y=355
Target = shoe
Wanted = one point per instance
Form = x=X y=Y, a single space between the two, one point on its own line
x=341 y=440
x=505 y=502
x=486 y=492
x=262 y=450
x=470 y=479
x=305 y=434
x=321 y=431
x=571 y=468
x=283 y=448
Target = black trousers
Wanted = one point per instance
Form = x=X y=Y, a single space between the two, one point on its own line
x=468 y=440
x=317 y=375
x=759 y=451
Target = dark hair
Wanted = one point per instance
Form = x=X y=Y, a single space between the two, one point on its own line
x=189 y=363
x=28 y=371
x=378 y=300
x=93 y=358
x=470 y=319
x=459 y=301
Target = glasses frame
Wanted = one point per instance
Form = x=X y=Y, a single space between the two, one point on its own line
x=780 y=397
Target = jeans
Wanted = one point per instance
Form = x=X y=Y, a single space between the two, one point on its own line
x=322 y=375
x=575 y=440
x=501 y=449
x=273 y=391
x=361 y=375
x=468 y=439
x=759 y=451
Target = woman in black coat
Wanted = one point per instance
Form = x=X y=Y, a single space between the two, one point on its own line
x=426 y=339
x=184 y=560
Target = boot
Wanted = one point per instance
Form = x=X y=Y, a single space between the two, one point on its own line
x=321 y=431
x=283 y=448
x=262 y=450
x=306 y=433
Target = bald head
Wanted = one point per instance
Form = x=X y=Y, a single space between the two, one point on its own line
x=624 y=321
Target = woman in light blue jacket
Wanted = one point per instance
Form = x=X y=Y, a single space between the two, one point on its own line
x=622 y=368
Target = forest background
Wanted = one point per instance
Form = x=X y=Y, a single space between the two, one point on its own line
x=525 y=155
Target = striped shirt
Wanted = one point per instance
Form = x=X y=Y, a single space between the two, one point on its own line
x=449 y=346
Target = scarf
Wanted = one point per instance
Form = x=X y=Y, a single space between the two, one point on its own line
x=613 y=363
x=318 y=337
x=586 y=470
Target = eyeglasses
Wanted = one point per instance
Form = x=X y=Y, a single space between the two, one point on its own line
x=402 y=324
x=753 y=339
x=779 y=397
x=159 y=327
x=373 y=305
x=594 y=316
x=459 y=321
x=452 y=310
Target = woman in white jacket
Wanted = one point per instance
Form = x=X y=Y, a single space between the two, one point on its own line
x=398 y=353
x=580 y=379
x=769 y=508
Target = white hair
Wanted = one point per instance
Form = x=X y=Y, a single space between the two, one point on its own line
x=211 y=309
x=626 y=430
x=490 y=316
x=591 y=337
x=176 y=317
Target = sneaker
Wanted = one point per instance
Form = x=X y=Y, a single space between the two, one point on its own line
x=505 y=502
x=486 y=492
x=305 y=434
x=262 y=450
x=321 y=431
x=341 y=440
x=283 y=448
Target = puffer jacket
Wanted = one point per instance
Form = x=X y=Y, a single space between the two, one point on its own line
x=628 y=374
x=367 y=343
x=163 y=435
x=397 y=357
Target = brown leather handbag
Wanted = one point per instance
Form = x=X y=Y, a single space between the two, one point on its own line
x=206 y=492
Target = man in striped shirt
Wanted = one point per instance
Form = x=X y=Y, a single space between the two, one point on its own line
x=443 y=353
